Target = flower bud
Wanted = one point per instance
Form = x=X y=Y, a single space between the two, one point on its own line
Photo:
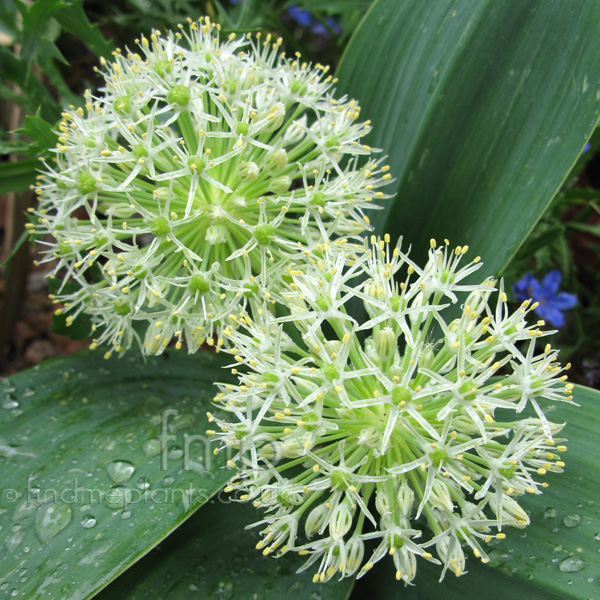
x=280 y=185
x=315 y=520
x=440 y=496
x=276 y=161
x=291 y=448
x=386 y=343
x=405 y=498
x=248 y=171
x=340 y=521
x=405 y=563
x=382 y=502
x=274 y=115
x=296 y=132
x=369 y=437
x=355 y=551
x=455 y=560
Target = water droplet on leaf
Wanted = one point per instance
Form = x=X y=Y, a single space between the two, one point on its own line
x=14 y=541
x=51 y=520
x=151 y=447
x=571 y=564
x=88 y=521
x=571 y=521
x=120 y=471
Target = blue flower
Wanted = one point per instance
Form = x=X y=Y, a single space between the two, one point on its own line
x=586 y=148
x=300 y=15
x=304 y=18
x=551 y=301
x=320 y=29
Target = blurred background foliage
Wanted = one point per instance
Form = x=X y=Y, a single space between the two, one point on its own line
x=48 y=51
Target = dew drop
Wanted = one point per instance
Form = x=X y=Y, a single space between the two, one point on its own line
x=175 y=452
x=143 y=483
x=9 y=402
x=168 y=481
x=550 y=513
x=151 y=447
x=52 y=519
x=24 y=509
x=15 y=540
x=571 y=521
x=120 y=471
x=571 y=564
x=126 y=514
x=88 y=521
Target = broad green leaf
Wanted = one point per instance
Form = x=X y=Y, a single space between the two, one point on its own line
x=557 y=557
x=40 y=131
x=212 y=556
x=36 y=18
x=483 y=106
x=33 y=92
x=101 y=459
x=73 y=18
x=17 y=176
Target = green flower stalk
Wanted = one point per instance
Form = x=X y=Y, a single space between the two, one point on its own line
x=177 y=195
x=405 y=429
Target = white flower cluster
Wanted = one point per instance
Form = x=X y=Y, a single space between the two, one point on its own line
x=178 y=194
x=404 y=428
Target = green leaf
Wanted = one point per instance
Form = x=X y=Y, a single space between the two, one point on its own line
x=213 y=557
x=33 y=93
x=35 y=24
x=18 y=176
x=40 y=131
x=483 y=106
x=20 y=241
x=557 y=557
x=100 y=461
x=73 y=18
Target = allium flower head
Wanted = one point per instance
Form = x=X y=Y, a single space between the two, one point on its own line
x=405 y=429
x=179 y=191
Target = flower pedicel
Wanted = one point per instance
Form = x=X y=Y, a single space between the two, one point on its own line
x=403 y=429
x=179 y=192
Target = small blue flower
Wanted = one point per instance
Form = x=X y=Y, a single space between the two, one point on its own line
x=300 y=15
x=586 y=148
x=551 y=301
x=305 y=19
x=320 y=29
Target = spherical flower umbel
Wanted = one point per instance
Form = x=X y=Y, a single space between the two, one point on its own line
x=405 y=429
x=179 y=191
